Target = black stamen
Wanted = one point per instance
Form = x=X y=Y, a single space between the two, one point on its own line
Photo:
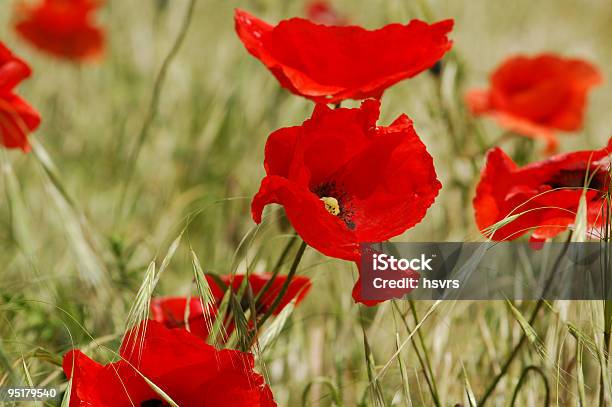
x=593 y=178
x=152 y=403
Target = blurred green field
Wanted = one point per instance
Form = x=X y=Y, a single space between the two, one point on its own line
x=71 y=261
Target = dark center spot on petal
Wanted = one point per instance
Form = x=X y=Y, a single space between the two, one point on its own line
x=594 y=178
x=153 y=403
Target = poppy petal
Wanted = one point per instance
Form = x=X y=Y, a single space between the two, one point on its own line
x=12 y=70
x=17 y=120
x=392 y=182
x=307 y=214
x=328 y=64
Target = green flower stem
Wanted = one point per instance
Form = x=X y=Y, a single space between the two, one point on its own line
x=285 y=287
x=277 y=268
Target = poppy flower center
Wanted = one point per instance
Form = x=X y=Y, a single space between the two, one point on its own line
x=331 y=205
x=337 y=202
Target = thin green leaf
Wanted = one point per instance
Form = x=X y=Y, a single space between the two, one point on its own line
x=468 y=388
x=403 y=372
x=67 y=394
x=207 y=300
x=374 y=387
x=580 y=375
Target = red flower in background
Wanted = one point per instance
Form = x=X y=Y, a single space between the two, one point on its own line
x=330 y=64
x=171 y=311
x=17 y=118
x=12 y=70
x=342 y=180
x=188 y=370
x=546 y=194
x=322 y=12
x=63 y=28
x=297 y=289
x=537 y=96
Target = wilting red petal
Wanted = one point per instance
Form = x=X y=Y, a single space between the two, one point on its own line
x=537 y=96
x=17 y=120
x=544 y=195
x=63 y=28
x=381 y=179
x=328 y=64
x=188 y=370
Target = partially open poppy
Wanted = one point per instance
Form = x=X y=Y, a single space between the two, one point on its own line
x=171 y=310
x=328 y=64
x=537 y=96
x=540 y=198
x=63 y=28
x=183 y=366
x=17 y=118
x=343 y=180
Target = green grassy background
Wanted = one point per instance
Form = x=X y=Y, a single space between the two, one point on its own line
x=70 y=265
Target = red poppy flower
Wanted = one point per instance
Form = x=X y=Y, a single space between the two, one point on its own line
x=343 y=180
x=171 y=311
x=188 y=370
x=329 y=64
x=537 y=96
x=17 y=118
x=543 y=196
x=62 y=28
x=322 y=12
